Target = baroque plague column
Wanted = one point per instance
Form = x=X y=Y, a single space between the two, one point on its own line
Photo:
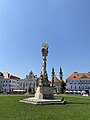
x=44 y=90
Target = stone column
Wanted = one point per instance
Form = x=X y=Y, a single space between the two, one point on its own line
x=44 y=65
x=44 y=55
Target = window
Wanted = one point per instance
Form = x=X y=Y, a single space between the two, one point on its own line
x=74 y=77
x=75 y=87
x=82 y=87
x=20 y=84
x=71 y=87
x=84 y=76
x=26 y=84
x=30 y=83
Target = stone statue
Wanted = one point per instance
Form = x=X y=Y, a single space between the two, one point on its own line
x=44 y=87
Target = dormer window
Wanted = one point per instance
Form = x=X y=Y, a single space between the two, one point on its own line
x=74 y=77
x=84 y=76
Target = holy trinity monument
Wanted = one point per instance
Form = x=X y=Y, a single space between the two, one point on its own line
x=44 y=90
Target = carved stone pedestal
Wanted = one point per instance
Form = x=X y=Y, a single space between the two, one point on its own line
x=44 y=92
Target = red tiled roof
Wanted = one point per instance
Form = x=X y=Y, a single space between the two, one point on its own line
x=14 y=77
x=56 y=80
x=79 y=76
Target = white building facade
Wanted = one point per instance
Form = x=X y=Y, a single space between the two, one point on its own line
x=27 y=84
x=78 y=82
x=8 y=85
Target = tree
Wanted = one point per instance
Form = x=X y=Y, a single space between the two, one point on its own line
x=63 y=86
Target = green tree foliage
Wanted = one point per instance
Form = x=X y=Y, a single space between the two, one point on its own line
x=63 y=86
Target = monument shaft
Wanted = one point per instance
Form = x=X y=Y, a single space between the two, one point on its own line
x=44 y=66
x=44 y=90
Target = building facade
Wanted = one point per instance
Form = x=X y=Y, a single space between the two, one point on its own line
x=8 y=85
x=8 y=82
x=27 y=84
x=57 y=82
x=78 y=82
x=57 y=85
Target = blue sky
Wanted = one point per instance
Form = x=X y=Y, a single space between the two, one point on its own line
x=26 y=24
